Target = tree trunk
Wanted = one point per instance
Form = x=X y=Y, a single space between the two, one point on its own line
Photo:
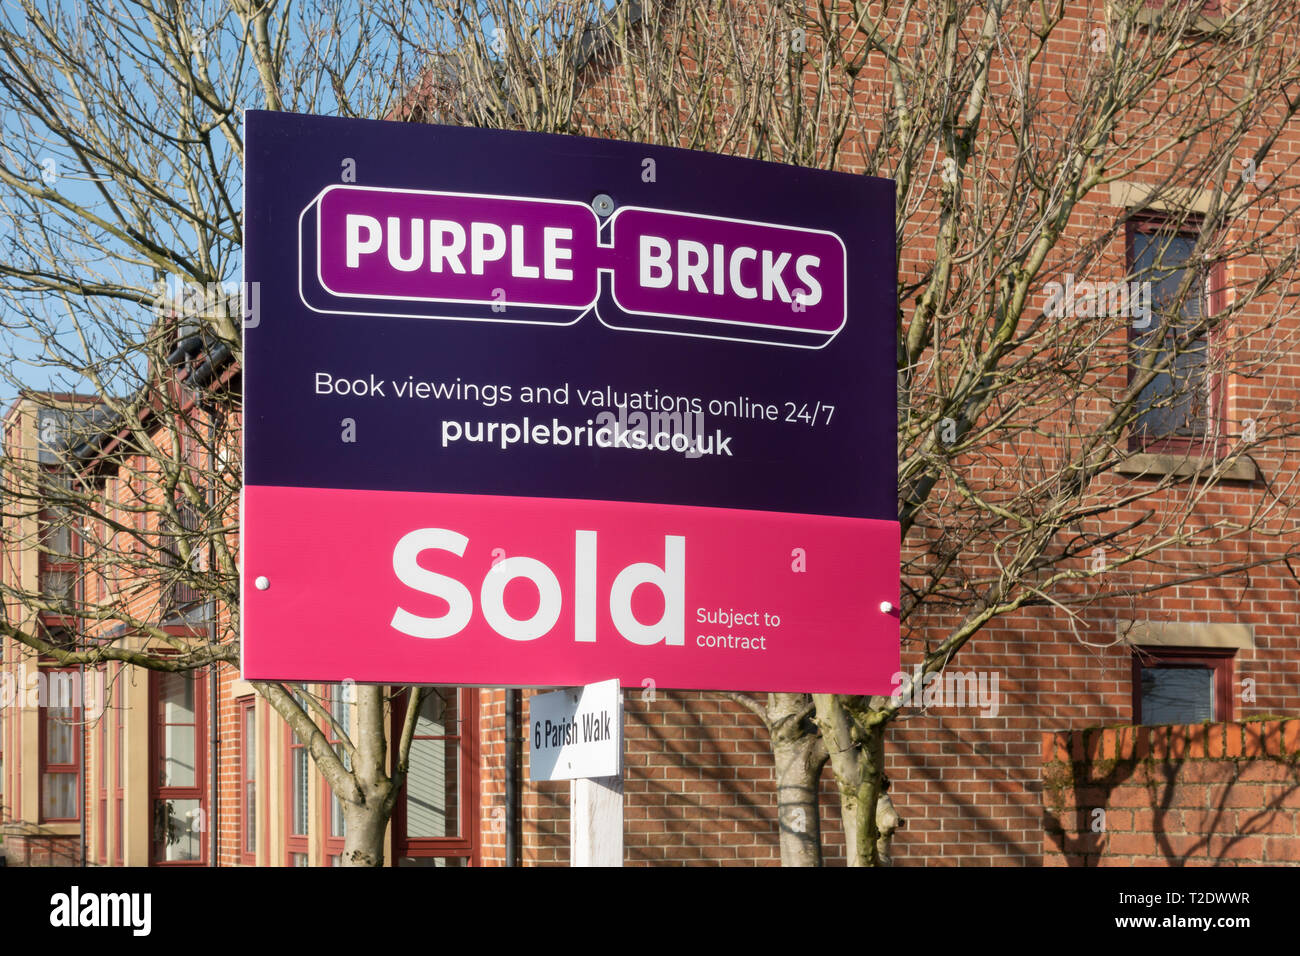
x=857 y=757
x=800 y=757
x=366 y=820
x=363 y=844
x=871 y=779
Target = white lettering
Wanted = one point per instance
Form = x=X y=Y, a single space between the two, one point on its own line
x=552 y=253
x=656 y=273
x=479 y=251
x=406 y=567
x=354 y=245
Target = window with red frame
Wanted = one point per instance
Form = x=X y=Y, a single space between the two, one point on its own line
x=248 y=780
x=188 y=529
x=57 y=562
x=1181 y=409
x=335 y=827
x=1181 y=685
x=296 y=797
x=179 y=802
x=60 y=746
x=435 y=820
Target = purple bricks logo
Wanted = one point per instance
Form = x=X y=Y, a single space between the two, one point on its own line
x=470 y=257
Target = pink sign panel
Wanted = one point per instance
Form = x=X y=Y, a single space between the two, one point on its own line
x=377 y=586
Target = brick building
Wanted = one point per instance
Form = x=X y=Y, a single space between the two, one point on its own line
x=969 y=781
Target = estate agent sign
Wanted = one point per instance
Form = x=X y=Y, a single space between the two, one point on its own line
x=534 y=410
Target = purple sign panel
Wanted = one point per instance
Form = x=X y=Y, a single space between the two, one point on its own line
x=418 y=281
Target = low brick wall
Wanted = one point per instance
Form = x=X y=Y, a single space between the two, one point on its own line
x=27 y=846
x=1194 y=795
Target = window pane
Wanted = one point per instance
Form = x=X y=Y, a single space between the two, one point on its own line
x=179 y=753
x=58 y=586
x=431 y=809
x=59 y=734
x=59 y=796
x=250 y=816
x=178 y=830
x=1160 y=258
x=300 y=790
x=177 y=699
x=338 y=827
x=103 y=752
x=55 y=534
x=178 y=768
x=250 y=780
x=339 y=710
x=250 y=743
x=1176 y=401
x=432 y=795
x=1177 y=695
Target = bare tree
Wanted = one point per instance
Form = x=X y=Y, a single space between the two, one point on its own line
x=1020 y=411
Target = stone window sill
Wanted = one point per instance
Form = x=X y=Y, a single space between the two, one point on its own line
x=1154 y=16
x=1158 y=465
x=1186 y=634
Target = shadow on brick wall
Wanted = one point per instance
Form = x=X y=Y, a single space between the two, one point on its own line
x=1223 y=794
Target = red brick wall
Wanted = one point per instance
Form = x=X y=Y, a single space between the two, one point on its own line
x=33 y=849
x=230 y=836
x=491 y=753
x=1194 y=795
